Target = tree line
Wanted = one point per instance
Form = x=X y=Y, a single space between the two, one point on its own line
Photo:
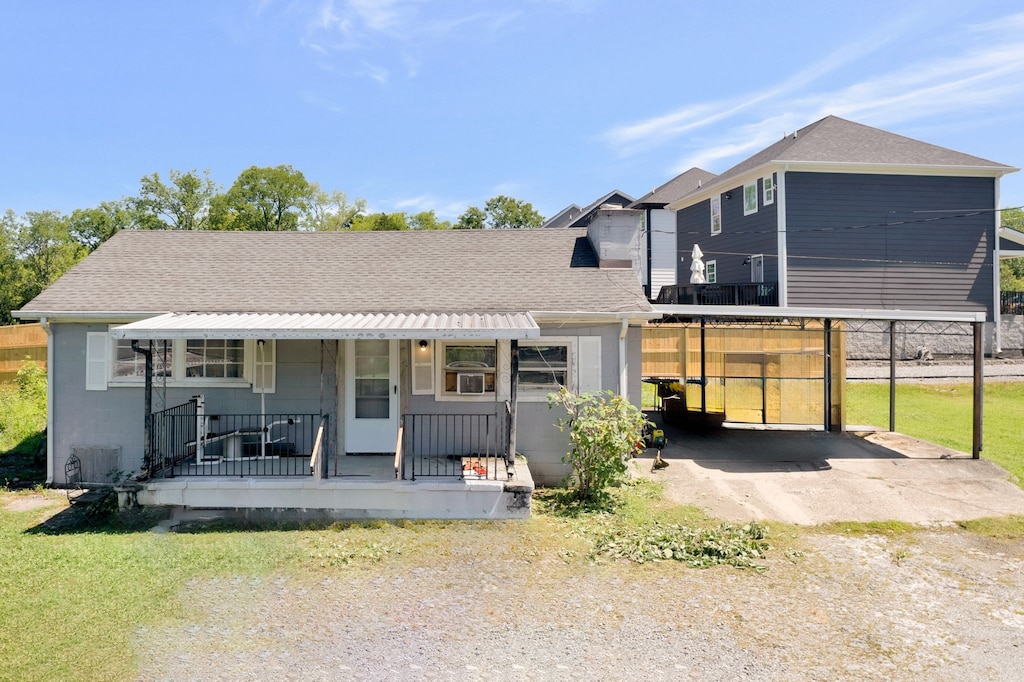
x=39 y=246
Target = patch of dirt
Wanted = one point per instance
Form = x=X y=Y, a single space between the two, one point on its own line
x=23 y=503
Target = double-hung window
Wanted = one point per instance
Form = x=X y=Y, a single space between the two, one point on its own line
x=228 y=362
x=544 y=366
x=750 y=198
x=716 y=214
x=711 y=271
x=214 y=358
x=468 y=369
x=768 y=189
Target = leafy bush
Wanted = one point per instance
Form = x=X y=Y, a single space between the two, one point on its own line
x=23 y=409
x=605 y=431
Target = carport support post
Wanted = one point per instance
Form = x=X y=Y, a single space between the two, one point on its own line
x=892 y=376
x=979 y=387
x=828 y=375
x=703 y=369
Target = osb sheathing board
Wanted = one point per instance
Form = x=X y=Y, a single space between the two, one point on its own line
x=755 y=374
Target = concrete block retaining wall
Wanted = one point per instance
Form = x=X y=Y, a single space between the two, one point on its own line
x=870 y=341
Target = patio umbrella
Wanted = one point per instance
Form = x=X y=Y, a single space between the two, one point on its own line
x=697 y=266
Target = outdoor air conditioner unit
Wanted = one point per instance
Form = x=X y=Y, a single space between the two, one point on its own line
x=471 y=383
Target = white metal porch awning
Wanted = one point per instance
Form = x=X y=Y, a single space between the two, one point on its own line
x=332 y=326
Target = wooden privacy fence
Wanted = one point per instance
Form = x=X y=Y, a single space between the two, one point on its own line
x=18 y=343
x=762 y=374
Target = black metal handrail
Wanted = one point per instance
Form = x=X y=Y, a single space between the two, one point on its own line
x=1011 y=302
x=237 y=444
x=467 y=446
x=758 y=293
x=170 y=429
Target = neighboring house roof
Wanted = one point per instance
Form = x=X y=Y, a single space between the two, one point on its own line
x=835 y=141
x=580 y=217
x=139 y=272
x=563 y=217
x=676 y=188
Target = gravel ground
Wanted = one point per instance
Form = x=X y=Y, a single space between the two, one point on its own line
x=937 y=604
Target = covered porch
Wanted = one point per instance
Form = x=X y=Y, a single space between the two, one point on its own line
x=372 y=450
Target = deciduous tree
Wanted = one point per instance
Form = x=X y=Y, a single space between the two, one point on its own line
x=263 y=199
x=183 y=204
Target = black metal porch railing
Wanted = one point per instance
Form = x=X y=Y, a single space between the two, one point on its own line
x=1011 y=302
x=169 y=431
x=760 y=293
x=469 y=446
x=187 y=443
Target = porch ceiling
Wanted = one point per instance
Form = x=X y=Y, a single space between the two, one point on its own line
x=332 y=326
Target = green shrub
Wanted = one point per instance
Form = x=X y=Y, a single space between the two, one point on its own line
x=605 y=431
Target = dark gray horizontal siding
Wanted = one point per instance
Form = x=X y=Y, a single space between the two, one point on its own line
x=890 y=241
x=741 y=236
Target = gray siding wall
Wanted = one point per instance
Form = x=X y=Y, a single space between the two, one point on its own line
x=538 y=439
x=846 y=248
x=741 y=236
x=114 y=418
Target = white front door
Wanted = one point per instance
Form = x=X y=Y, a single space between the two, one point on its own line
x=371 y=395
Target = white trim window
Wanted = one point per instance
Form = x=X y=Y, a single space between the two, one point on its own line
x=545 y=366
x=716 y=214
x=750 y=198
x=196 y=362
x=711 y=271
x=768 y=189
x=214 y=358
x=467 y=370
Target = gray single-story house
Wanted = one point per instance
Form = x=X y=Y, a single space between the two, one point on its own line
x=386 y=374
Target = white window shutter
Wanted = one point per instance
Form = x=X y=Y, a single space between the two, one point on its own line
x=97 y=355
x=261 y=364
x=503 y=371
x=422 y=368
x=588 y=364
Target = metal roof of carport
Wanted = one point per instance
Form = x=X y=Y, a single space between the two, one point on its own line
x=823 y=313
x=332 y=326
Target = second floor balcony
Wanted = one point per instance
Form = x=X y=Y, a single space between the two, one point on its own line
x=749 y=293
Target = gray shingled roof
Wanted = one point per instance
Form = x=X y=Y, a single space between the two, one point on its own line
x=836 y=140
x=563 y=217
x=476 y=271
x=676 y=188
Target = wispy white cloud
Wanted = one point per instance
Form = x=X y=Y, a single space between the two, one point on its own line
x=986 y=73
x=378 y=73
x=445 y=209
x=399 y=32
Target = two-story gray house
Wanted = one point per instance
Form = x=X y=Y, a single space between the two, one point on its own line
x=843 y=214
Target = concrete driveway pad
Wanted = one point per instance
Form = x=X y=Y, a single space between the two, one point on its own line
x=812 y=477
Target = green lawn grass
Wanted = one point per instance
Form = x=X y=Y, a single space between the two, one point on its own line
x=943 y=414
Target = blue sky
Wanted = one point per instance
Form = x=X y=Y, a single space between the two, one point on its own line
x=439 y=104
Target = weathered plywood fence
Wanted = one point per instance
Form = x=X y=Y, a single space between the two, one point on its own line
x=18 y=343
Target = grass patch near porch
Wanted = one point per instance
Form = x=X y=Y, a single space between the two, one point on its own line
x=943 y=414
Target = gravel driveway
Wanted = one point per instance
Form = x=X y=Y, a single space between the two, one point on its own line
x=485 y=605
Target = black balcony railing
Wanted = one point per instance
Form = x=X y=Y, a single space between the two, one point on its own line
x=760 y=293
x=186 y=442
x=468 y=446
x=1011 y=302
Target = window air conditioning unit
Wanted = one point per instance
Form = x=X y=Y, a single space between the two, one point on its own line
x=471 y=383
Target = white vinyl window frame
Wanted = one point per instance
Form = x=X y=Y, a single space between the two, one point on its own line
x=768 y=189
x=442 y=371
x=539 y=393
x=757 y=268
x=750 y=198
x=716 y=214
x=257 y=363
x=711 y=271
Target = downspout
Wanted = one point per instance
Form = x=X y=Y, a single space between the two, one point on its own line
x=147 y=448
x=45 y=324
x=623 y=388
